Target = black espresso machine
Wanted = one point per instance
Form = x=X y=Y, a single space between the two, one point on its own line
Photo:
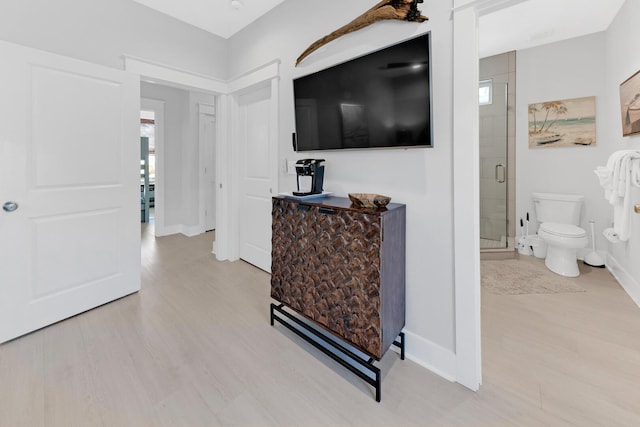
x=310 y=176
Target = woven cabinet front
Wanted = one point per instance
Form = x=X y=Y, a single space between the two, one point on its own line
x=326 y=266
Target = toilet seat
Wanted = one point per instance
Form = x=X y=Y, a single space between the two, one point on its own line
x=562 y=230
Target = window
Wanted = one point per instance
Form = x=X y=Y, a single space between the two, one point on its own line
x=485 y=93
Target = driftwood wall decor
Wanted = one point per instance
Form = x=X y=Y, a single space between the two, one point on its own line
x=403 y=10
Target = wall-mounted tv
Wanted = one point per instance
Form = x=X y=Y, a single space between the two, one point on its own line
x=379 y=100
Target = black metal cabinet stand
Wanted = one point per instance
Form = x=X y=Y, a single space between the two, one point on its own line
x=335 y=349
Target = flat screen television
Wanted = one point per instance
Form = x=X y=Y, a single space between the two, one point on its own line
x=379 y=100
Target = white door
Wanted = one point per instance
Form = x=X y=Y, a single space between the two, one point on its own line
x=208 y=159
x=255 y=177
x=69 y=160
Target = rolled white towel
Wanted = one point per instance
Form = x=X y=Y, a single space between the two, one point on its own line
x=621 y=173
x=614 y=176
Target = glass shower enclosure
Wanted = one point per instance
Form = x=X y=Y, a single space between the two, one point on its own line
x=494 y=137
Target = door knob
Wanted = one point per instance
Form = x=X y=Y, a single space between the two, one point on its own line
x=637 y=209
x=10 y=206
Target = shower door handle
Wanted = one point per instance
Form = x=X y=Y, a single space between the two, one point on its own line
x=501 y=177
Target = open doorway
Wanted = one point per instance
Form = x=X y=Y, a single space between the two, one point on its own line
x=183 y=178
x=147 y=166
x=153 y=110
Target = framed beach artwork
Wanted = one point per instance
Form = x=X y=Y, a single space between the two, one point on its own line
x=630 y=104
x=564 y=123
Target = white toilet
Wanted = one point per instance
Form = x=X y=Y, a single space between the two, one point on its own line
x=559 y=216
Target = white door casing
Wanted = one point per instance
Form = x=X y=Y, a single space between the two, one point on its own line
x=466 y=201
x=256 y=169
x=69 y=157
x=227 y=159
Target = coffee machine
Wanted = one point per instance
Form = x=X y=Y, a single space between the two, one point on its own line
x=310 y=176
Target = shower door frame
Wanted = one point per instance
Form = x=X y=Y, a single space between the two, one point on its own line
x=501 y=69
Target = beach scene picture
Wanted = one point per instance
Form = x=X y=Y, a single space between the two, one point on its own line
x=630 y=104
x=565 y=123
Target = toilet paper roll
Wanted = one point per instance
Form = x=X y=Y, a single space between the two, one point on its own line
x=611 y=235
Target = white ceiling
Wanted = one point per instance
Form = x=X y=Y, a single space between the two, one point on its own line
x=536 y=22
x=214 y=16
x=526 y=24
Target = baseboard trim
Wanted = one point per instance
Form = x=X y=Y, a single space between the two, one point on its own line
x=168 y=231
x=191 y=231
x=628 y=283
x=431 y=356
x=188 y=231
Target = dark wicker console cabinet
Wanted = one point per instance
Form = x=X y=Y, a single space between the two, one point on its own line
x=342 y=267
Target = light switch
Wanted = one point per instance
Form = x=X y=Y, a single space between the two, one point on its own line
x=291 y=167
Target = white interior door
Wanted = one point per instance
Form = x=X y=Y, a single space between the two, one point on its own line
x=255 y=177
x=208 y=160
x=69 y=160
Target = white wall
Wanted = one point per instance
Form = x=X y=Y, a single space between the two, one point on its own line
x=622 y=60
x=421 y=178
x=569 y=69
x=101 y=31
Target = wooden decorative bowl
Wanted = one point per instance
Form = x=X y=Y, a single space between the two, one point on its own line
x=365 y=200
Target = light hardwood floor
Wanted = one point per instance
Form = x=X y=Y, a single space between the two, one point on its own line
x=194 y=348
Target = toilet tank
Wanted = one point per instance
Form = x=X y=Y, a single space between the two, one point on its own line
x=560 y=208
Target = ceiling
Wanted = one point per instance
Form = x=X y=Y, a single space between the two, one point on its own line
x=214 y=16
x=525 y=24
x=532 y=23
